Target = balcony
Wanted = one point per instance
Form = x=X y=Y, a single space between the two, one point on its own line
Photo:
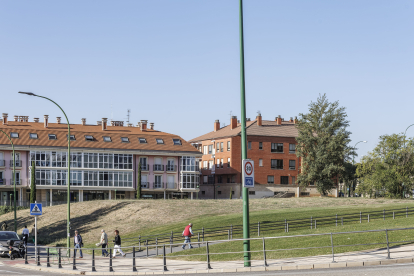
x=158 y=185
x=171 y=168
x=2 y=181
x=18 y=163
x=144 y=185
x=158 y=168
x=144 y=167
x=18 y=182
x=2 y=163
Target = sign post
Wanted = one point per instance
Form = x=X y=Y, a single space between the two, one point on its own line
x=248 y=173
x=35 y=210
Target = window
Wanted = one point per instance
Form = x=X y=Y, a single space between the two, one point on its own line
x=292 y=148
x=144 y=163
x=90 y=160
x=270 y=179
x=158 y=181
x=221 y=163
x=52 y=137
x=228 y=145
x=284 y=180
x=228 y=162
x=33 y=135
x=159 y=141
x=203 y=192
x=210 y=164
x=260 y=162
x=142 y=140
x=205 y=179
x=124 y=139
x=205 y=165
x=260 y=145
x=210 y=149
x=72 y=137
x=221 y=146
x=219 y=179
x=277 y=147
x=107 y=139
x=90 y=138
x=293 y=180
x=292 y=164
x=218 y=163
x=219 y=192
x=177 y=142
x=218 y=147
x=189 y=163
x=14 y=135
x=190 y=181
x=205 y=149
x=249 y=145
x=277 y=164
x=123 y=161
x=252 y=192
x=211 y=179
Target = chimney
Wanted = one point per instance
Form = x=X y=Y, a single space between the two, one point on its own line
x=279 y=120
x=291 y=120
x=138 y=124
x=130 y=125
x=144 y=125
x=16 y=118
x=5 y=115
x=259 y=119
x=46 y=120
x=296 y=120
x=104 y=123
x=83 y=121
x=216 y=125
x=36 y=120
x=233 y=122
x=152 y=126
x=247 y=119
x=58 y=120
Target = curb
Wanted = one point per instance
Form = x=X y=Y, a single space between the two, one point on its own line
x=243 y=269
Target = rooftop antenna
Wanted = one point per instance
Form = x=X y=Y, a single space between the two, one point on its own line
x=258 y=112
x=129 y=111
x=112 y=113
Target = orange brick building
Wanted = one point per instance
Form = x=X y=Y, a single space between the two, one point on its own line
x=270 y=144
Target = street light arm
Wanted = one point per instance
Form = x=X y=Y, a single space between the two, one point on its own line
x=407 y=129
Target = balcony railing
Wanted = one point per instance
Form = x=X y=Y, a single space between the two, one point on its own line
x=2 y=181
x=171 y=185
x=158 y=185
x=18 y=182
x=158 y=168
x=18 y=163
x=2 y=163
x=145 y=167
x=171 y=168
x=144 y=185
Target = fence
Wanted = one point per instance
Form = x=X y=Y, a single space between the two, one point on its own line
x=261 y=248
x=271 y=227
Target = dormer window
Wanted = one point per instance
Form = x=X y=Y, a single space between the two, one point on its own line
x=33 y=135
x=72 y=137
x=88 y=137
x=142 y=140
x=159 y=141
x=177 y=141
x=125 y=139
x=14 y=135
x=52 y=137
x=107 y=139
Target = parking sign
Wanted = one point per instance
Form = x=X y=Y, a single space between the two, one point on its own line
x=248 y=173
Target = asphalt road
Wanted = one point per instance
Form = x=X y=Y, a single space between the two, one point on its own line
x=383 y=270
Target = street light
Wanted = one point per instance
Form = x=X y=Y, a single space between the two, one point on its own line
x=406 y=132
x=14 y=181
x=68 y=160
x=353 y=162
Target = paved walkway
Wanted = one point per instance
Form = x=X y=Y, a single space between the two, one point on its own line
x=153 y=265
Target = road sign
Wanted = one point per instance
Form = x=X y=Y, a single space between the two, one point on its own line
x=35 y=209
x=248 y=173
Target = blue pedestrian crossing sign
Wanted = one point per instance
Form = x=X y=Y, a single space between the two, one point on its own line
x=35 y=209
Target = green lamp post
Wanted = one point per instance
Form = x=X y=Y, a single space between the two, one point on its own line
x=68 y=160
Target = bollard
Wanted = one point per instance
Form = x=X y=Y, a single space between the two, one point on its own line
x=333 y=255
x=156 y=245
x=208 y=257
x=264 y=252
x=38 y=256
x=198 y=239
x=258 y=229
x=171 y=241
x=231 y=231
x=147 y=250
x=368 y=217
x=287 y=227
x=25 y=257
x=360 y=217
x=93 y=260
x=134 y=266
x=406 y=212
x=47 y=260
x=388 y=244
x=228 y=234
x=393 y=215
x=59 y=261
x=74 y=260
x=383 y=215
x=164 y=259
x=110 y=260
x=311 y=222
x=336 y=220
x=139 y=243
x=202 y=232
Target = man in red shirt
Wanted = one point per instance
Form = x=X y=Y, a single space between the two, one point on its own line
x=187 y=233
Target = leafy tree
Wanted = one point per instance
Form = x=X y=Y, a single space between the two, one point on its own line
x=33 y=183
x=323 y=144
x=349 y=177
x=389 y=168
x=139 y=182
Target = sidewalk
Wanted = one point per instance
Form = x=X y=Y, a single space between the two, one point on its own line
x=151 y=266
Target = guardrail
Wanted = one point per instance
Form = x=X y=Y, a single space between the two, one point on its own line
x=61 y=255
x=271 y=227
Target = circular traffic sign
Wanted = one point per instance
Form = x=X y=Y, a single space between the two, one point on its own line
x=248 y=168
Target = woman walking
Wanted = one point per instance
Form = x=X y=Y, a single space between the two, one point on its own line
x=117 y=246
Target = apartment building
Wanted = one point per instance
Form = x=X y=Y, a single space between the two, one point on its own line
x=104 y=161
x=272 y=147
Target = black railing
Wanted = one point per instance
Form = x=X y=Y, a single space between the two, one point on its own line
x=158 y=185
x=145 y=185
x=2 y=163
x=18 y=182
x=2 y=181
x=145 y=167
x=171 y=168
x=158 y=168
x=18 y=163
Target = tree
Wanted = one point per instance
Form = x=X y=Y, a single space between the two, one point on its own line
x=33 y=183
x=349 y=177
x=139 y=182
x=323 y=144
x=389 y=168
x=231 y=192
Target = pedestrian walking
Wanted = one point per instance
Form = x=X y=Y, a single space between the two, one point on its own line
x=32 y=232
x=187 y=233
x=78 y=244
x=104 y=243
x=117 y=246
x=25 y=234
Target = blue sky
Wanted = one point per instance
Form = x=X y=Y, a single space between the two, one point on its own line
x=176 y=62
